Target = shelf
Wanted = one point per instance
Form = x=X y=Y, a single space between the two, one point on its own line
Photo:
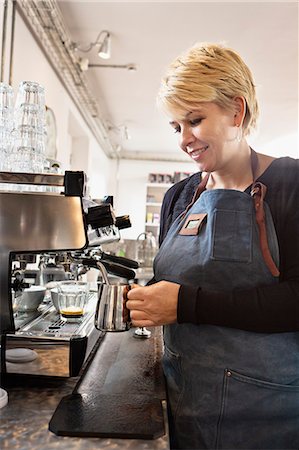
x=154 y=204
x=159 y=185
x=150 y=224
x=154 y=194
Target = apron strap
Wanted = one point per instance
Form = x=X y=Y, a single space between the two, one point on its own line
x=200 y=188
x=258 y=193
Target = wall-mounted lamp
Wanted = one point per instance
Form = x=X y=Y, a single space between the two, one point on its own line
x=103 y=41
x=122 y=130
x=105 y=46
x=125 y=133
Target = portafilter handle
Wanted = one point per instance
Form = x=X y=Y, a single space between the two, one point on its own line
x=115 y=269
x=131 y=263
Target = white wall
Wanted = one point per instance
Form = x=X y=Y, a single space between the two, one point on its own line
x=287 y=145
x=132 y=177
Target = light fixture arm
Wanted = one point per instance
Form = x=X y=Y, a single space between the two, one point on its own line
x=93 y=44
x=131 y=66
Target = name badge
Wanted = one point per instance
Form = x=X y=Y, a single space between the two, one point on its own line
x=193 y=224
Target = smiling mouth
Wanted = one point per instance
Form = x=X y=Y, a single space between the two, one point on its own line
x=195 y=153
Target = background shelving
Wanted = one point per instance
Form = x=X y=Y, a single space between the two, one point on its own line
x=154 y=197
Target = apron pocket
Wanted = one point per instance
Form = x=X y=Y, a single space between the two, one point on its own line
x=175 y=384
x=232 y=236
x=256 y=414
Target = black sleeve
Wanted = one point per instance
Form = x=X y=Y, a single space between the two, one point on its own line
x=244 y=309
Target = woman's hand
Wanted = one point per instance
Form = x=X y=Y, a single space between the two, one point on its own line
x=153 y=305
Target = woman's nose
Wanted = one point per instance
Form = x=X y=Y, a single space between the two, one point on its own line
x=186 y=138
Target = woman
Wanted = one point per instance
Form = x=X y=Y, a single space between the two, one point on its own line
x=226 y=277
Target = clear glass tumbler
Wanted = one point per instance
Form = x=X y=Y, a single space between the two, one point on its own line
x=72 y=300
x=27 y=149
x=28 y=115
x=6 y=122
x=31 y=92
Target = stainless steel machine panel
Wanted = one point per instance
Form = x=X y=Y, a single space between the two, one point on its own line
x=36 y=222
x=40 y=222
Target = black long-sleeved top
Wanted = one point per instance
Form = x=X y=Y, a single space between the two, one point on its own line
x=272 y=308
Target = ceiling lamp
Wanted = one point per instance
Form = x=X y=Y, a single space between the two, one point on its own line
x=103 y=41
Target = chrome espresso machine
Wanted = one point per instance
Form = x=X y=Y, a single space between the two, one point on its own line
x=61 y=235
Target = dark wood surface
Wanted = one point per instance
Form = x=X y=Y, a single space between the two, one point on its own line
x=121 y=393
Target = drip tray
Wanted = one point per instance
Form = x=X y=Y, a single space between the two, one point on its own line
x=49 y=324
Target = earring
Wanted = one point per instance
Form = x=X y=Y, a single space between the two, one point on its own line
x=239 y=133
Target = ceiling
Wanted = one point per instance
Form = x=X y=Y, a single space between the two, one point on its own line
x=151 y=34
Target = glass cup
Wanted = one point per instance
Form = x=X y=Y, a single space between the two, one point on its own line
x=6 y=122
x=29 y=115
x=27 y=150
x=72 y=300
x=6 y=98
x=30 y=92
x=5 y=141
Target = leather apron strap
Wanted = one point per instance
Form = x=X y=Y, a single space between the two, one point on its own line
x=258 y=192
x=200 y=188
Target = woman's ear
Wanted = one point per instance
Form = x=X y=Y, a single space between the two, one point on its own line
x=240 y=110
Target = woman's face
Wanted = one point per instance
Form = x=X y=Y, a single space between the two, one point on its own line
x=208 y=135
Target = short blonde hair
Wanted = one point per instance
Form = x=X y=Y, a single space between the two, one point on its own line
x=209 y=73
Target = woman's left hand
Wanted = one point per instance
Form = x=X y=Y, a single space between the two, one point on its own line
x=153 y=305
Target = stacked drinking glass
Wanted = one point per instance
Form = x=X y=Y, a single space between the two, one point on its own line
x=6 y=123
x=28 y=137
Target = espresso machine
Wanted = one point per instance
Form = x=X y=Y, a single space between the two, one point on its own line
x=64 y=232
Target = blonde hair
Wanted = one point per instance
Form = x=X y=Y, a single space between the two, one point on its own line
x=209 y=73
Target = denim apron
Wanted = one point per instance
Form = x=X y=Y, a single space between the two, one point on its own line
x=227 y=388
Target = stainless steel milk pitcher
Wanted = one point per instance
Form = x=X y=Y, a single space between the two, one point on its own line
x=111 y=311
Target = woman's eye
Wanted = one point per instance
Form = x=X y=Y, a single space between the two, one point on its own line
x=195 y=122
x=177 y=129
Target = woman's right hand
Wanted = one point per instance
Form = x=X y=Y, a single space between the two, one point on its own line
x=153 y=305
